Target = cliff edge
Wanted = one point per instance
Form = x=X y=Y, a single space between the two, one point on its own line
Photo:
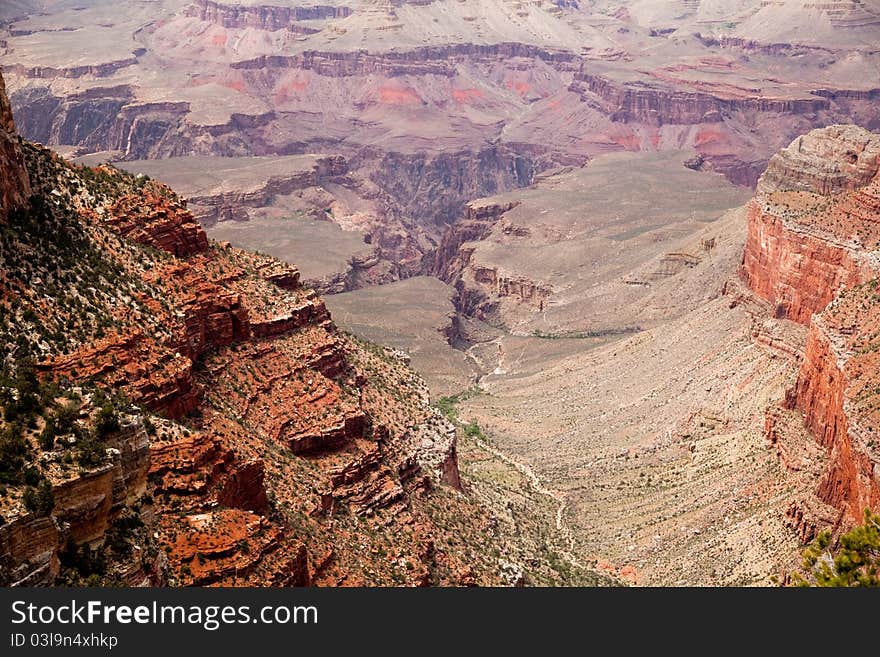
x=14 y=183
x=812 y=251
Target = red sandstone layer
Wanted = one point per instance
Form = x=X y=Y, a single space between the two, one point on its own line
x=813 y=229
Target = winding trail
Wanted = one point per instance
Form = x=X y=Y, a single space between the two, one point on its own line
x=558 y=496
x=534 y=480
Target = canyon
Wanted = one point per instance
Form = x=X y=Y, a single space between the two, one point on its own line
x=629 y=248
x=688 y=397
x=422 y=107
x=222 y=431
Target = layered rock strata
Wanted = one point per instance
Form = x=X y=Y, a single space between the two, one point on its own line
x=814 y=229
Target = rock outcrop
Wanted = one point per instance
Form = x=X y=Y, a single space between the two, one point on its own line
x=660 y=104
x=836 y=390
x=814 y=228
x=154 y=220
x=428 y=60
x=156 y=376
x=827 y=161
x=475 y=225
x=479 y=287
x=14 y=183
x=29 y=551
x=806 y=239
x=258 y=444
x=225 y=205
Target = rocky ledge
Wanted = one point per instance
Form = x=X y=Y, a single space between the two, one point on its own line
x=813 y=234
x=257 y=445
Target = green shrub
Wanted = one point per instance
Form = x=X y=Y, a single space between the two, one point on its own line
x=40 y=500
x=13 y=450
x=118 y=537
x=853 y=561
x=90 y=452
x=107 y=422
x=47 y=436
x=64 y=417
x=32 y=476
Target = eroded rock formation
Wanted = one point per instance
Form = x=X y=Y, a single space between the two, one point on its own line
x=814 y=228
x=263 y=446
x=85 y=506
x=14 y=184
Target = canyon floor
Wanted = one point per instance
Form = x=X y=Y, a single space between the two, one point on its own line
x=650 y=439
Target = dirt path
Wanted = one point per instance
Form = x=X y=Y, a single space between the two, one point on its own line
x=557 y=496
x=524 y=469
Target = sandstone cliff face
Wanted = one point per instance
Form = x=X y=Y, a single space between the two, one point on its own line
x=835 y=392
x=274 y=452
x=14 y=184
x=813 y=230
x=826 y=161
x=88 y=503
x=661 y=105
x=29 y=551
x=796 y=268
x=157 y=377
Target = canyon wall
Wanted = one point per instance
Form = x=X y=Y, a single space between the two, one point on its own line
x=478 y=289
x=475 y=225
x=14 y=184
x=264 y=17
x=433 y=188
x=796 y=268
x=814 y=228
x=427 y=60
x=661 y=105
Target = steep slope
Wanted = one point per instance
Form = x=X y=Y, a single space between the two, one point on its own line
x=178 y=411
x=814 y=231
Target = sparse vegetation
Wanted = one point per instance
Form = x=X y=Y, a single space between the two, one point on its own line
x=853 y=560
x=585 y=335
x=40 y=500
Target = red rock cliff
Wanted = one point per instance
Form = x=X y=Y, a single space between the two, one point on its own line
x=814 y=228
x=837 y=390
x=794 y=267
x=14 y=184
x=813 y=221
